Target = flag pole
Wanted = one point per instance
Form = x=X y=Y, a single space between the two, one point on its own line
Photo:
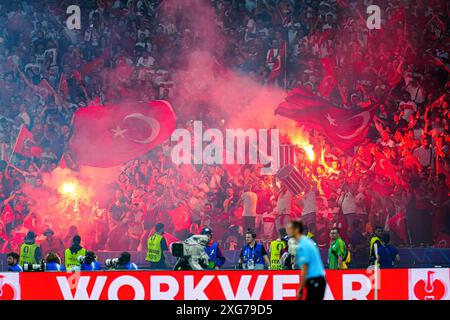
x=376 y=272
x=285 y=65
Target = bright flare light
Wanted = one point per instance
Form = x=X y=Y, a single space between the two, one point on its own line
x=69 y=189
x=309 y=152
x=303 y=142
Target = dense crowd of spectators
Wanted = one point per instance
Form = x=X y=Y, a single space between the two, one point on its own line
x=402 y=68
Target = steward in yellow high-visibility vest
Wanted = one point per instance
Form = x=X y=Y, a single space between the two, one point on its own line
x=156 y=245
x=30 y=253
x=375 y=239
x=71 y=254
x=277 y=248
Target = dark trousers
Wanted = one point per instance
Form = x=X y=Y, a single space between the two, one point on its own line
x=315 y=289
x=349 y=221
x=310 y=221
x=249 y=223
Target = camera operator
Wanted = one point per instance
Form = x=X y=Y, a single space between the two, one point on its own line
x=53 y=262
x=121 y=263
x=89 y=262
x=216 y=258
x=253 y=255
x=13 y=262
x=289 y=255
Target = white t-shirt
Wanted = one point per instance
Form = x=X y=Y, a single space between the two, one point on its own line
x=409 y=108
x=284 y=203
x=249 y=200
x=309 y=202
x=347 y=201
x=424 y=156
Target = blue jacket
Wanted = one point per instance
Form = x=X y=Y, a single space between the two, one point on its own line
x=387 y=255
x=15 y=268
x=53 y=266
x=256 y=254
x=94 y=266
x=128 y=266
x=215 y=254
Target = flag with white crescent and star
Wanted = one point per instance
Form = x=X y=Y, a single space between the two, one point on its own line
x=107 y=136
x=344 y=128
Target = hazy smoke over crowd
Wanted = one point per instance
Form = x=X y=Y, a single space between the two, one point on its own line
x=203 y=85
x=204 y=80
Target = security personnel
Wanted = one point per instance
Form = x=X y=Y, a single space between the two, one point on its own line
x=375 y=239
x=277 y=248
x=253 y=255
x=30 y=253
x=216 y=258
x=71 y=254
x=156 y=245
x=337 y=253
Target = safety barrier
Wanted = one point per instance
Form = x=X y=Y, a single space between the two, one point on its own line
x=392 y=284
x=409 y=258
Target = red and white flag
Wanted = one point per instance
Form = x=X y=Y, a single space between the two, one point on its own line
x=7 y=214
x=26 y=145
x=44 y=89
x=384 y=167
x=328 y=82
x=108 y=136
x=277 y=58
x=63 y=86
x=397 y=224
x=344 y=128
x=181 y=218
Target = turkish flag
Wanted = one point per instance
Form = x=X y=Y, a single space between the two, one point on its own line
x=279 y=61
x=44 y=89
x=300 y=98
x=63 y=86
x=344 y=128
x=397 y=224
x=181 y=218
x=25 y=144
x=107 y=136
x=328 y=82
x=95 y=65
x=7 y=214
x=384 y=167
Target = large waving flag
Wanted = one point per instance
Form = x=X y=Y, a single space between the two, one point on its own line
x=26 y=145
x=344 y=128
x=108 y=136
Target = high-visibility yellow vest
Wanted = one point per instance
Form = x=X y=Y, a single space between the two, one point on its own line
x=27 y=252
x=372 y=242
x=154 y=251
x=372 y=256
x=71 y=259
x=276 y=247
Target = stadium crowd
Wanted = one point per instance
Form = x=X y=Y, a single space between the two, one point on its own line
x=48 y=72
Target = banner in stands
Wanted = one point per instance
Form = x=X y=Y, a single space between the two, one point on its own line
x=393 y=284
